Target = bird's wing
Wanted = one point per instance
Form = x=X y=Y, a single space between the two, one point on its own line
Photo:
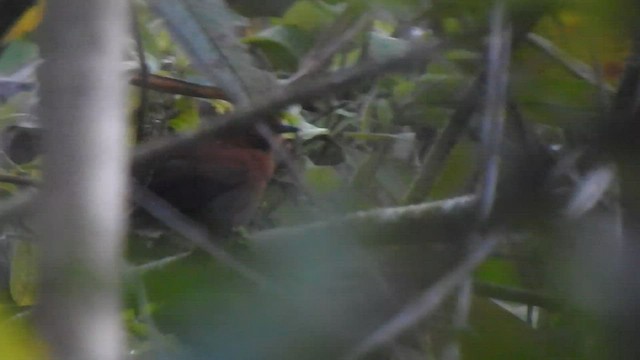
x=190 y=188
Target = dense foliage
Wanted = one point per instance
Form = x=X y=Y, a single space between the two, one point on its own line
x=462 y=184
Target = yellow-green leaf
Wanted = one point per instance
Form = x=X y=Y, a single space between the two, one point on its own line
x=23 y=280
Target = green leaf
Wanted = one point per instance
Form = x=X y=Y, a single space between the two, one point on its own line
x=322 y=150
x=188 y=118
x=403 y=88
x=400 y=8
x=18 y=341
x=550 y=95
x=206 y=31
x=311 y=15
x=133 y=325
x=23 y=280
x=16 y=55
x=495 y=333
x=456 y=174
x=322 y=179
x=384 y=112
x=500 y=272
x=293 y=116
x=383 y=47
x=283 y=45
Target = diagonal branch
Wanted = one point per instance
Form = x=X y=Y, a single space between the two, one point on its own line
x=433 y=218
x=436 y=157
x=298 y=93
x=338 y=36
x=426 y=303
x=574 y=66
x=196 y=234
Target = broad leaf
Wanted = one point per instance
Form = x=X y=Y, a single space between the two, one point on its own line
x=206 y=31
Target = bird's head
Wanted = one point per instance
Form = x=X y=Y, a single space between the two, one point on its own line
x=262 y=135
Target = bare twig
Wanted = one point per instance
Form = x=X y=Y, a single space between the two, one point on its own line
x=426 y=303
x=498 y=57
x=492 y=135
x=460 y=318
x=195 y=233
x=159 y=264
x=434 y=215
x=141 y=112
x=334 y=40
x=440 y=150
x=170 y=85
x=574 y=66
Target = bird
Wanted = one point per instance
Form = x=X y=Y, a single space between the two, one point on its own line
x=217 y=182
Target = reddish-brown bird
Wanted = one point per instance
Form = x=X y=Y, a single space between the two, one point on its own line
x=218 y=182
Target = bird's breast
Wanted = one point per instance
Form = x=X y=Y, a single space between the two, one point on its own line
x=258 y=164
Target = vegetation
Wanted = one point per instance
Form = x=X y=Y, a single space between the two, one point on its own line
x=463 y=184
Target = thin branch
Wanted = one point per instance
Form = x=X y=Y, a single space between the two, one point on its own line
x=159 y=264
x=516 y=295
x=618 y=131
x=425 y=304
x=195 y=233
x=435 y=160
x=574 y=66
x=498 y=58
x=344 y=29
x=460 y=319
x=433 y=218
x=141 y=112
x=174 y=86
x=163 y=84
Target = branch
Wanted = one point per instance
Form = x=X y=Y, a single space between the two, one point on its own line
x=195 y=233
x=574 y=66
x=82 y=207
x=498 y=59
x=336 y=38
x=317 y=89
x=436 y=157
x=158 y=264
x=426 y=303
x=170 y=85
x=141 y=111
x=434 y=218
